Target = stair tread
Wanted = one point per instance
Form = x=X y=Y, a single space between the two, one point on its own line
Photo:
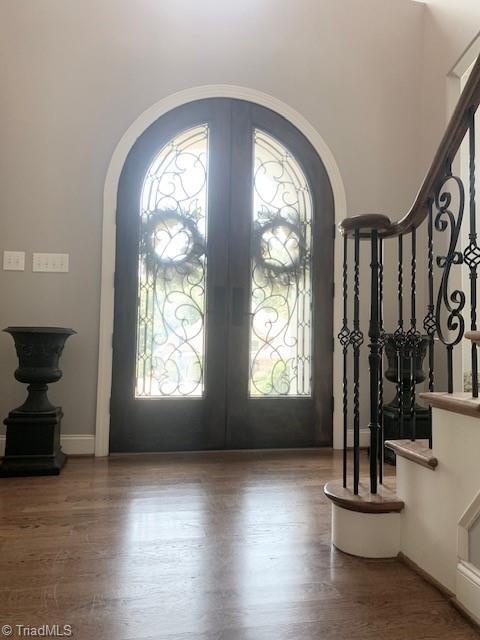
x=415 y=451
x=474 y=336
x=458 y=402
x=385 y=501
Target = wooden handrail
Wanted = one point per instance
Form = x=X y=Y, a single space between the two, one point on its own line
x=446 y=152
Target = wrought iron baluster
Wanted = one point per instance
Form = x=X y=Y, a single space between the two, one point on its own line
x=356 y=339
x=381 y=344
x=413 y=337
x=399 y=337
x=344 y=338
x=471 y=255
x=429 y=321
x=374 y=360
x=452 y=301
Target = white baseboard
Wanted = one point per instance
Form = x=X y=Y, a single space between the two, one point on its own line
x=73 y=444
x=364 y=438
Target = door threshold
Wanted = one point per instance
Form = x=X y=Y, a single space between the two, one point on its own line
x=216 y=451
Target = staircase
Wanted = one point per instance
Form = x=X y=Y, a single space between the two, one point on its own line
x=434 y=254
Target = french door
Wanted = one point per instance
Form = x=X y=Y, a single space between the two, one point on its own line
x=223 y=285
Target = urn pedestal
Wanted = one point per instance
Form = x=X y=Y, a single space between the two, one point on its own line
x=33 y=430
x=392 y=426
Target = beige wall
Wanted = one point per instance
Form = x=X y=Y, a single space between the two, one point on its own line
x=76 y=73
x=449 y=27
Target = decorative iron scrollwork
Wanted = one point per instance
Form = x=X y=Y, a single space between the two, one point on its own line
x=172 y=269
x=400 y=338
x=356 y=338
x=412 y=339
x=471 y=255
x=429 y=323
x=281 y=292
x=452 y=301
x=344 y=336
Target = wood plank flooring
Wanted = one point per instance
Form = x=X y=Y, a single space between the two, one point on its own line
x=217 y=546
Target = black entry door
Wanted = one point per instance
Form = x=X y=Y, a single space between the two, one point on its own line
x=223 y=306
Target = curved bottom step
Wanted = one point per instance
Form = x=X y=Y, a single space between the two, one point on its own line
x=384 y=501
x=365 y=525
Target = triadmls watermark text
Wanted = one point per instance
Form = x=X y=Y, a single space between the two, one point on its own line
x=42 y=631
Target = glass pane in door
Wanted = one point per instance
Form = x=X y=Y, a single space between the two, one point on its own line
x=172 y=270
x=281 y=295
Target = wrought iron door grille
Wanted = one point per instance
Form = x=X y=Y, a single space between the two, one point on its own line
x=172 y=270
x=281 y=294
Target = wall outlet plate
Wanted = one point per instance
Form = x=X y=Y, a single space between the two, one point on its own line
x=14 y=260
x=50 y=262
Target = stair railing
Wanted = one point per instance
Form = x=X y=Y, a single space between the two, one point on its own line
x=438 y=213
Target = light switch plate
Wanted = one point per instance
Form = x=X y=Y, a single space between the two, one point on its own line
x=50 y=262
x=14 y=260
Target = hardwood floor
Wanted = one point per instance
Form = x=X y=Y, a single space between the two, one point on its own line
x=217 y=546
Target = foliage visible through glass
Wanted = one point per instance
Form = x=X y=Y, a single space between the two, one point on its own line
x=172 y=269
x=281 y=299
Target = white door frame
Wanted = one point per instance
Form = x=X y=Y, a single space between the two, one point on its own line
x=109 y=222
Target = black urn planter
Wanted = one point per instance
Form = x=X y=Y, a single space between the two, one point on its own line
x=33 y=429
x=391 y=411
